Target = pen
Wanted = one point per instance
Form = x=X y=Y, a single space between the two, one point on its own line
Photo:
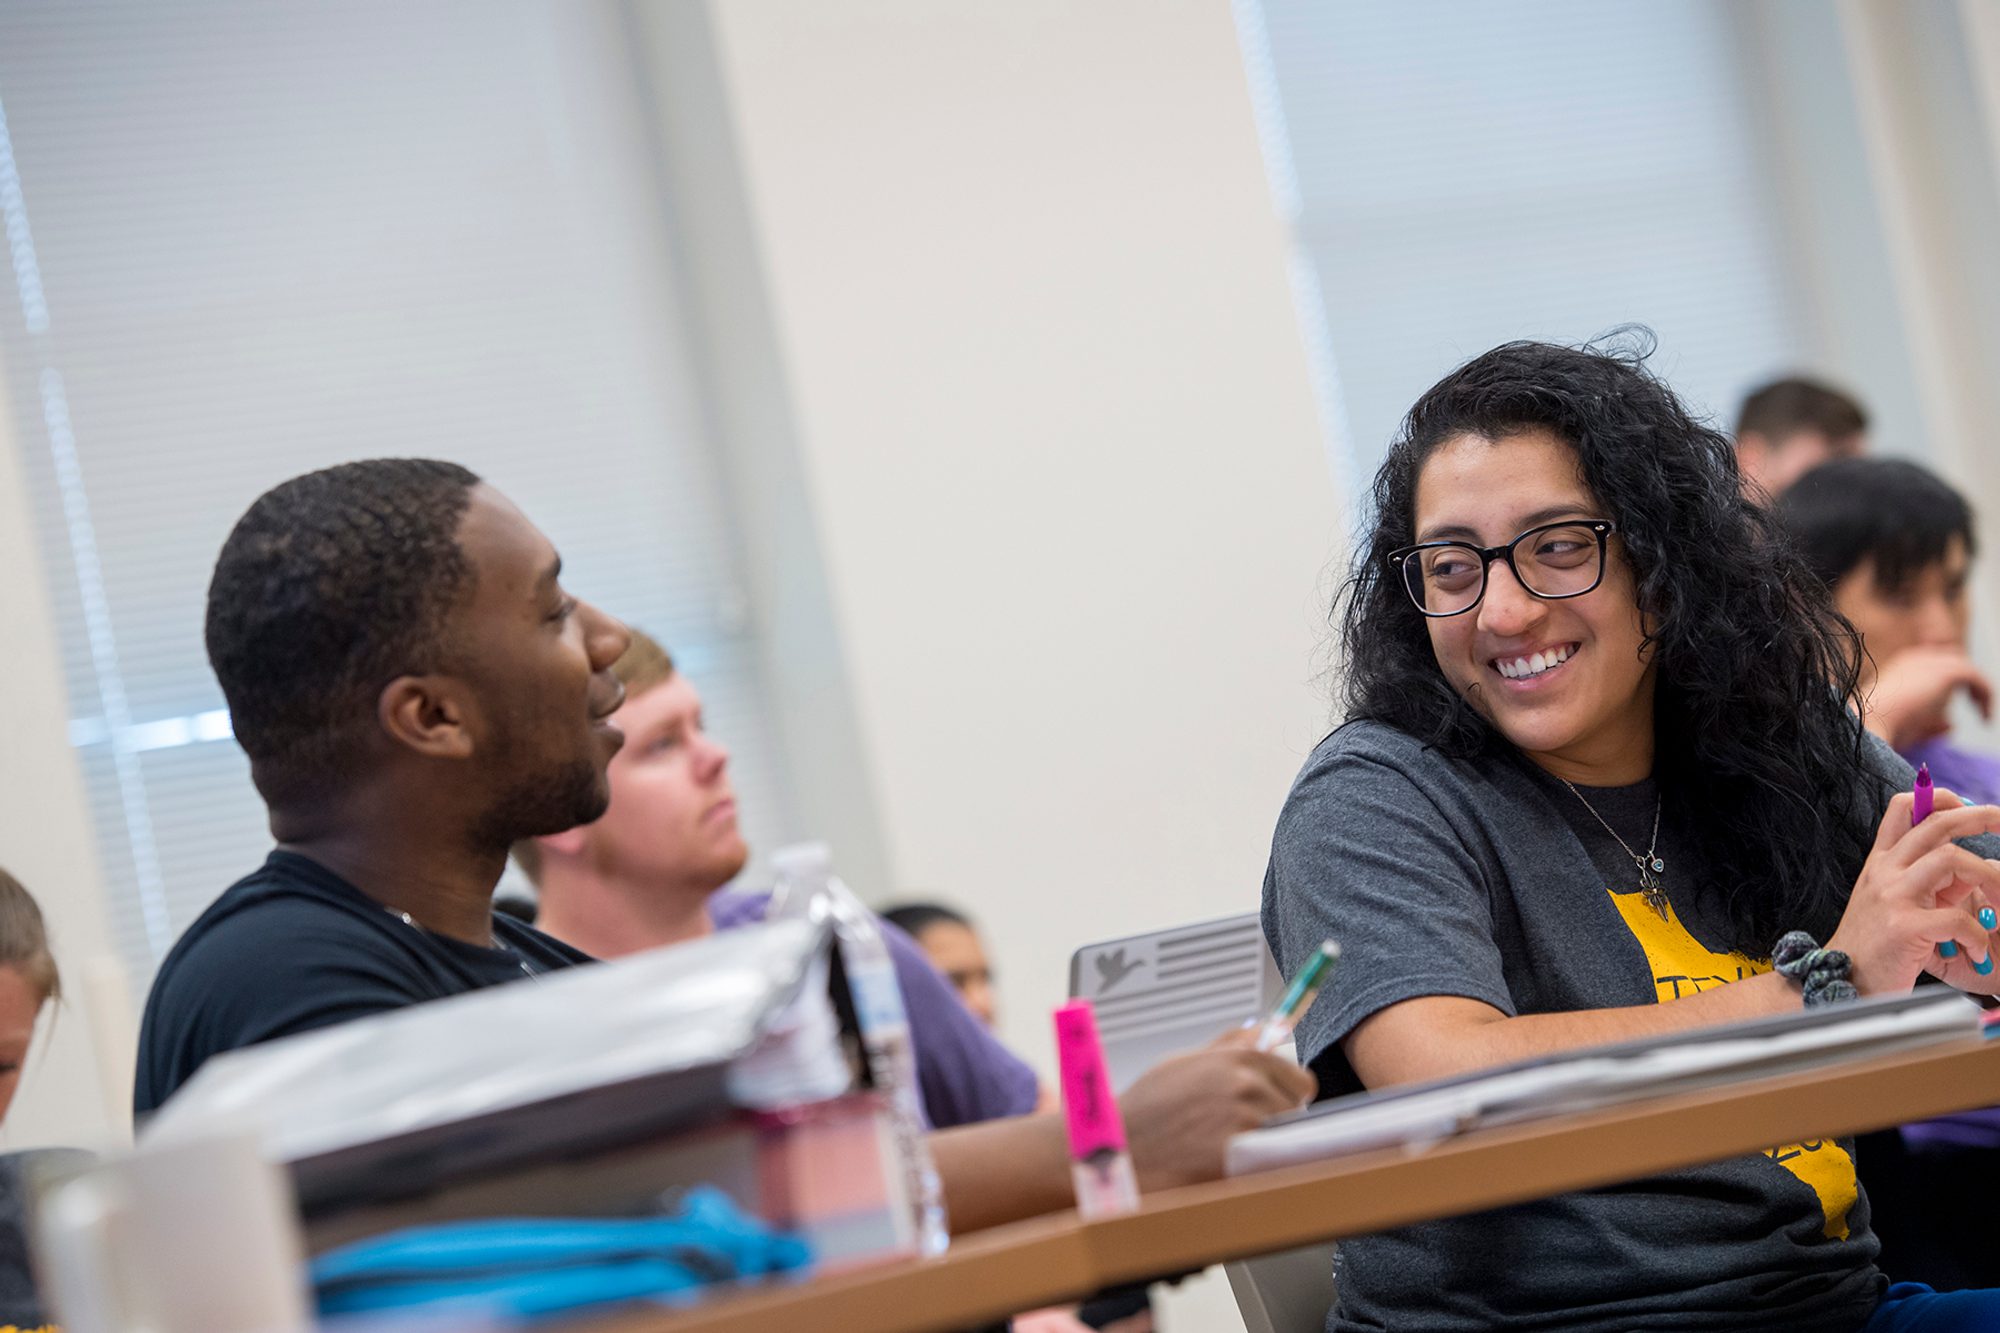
x=1298 y=997
x=1099 y=1166
x=1922 y=796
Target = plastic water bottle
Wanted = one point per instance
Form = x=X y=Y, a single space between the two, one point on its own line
x=807 y=888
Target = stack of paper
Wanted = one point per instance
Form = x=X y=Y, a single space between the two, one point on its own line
x=1424 y=1113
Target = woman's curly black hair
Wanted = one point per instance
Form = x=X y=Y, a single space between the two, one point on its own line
x=1757 y=754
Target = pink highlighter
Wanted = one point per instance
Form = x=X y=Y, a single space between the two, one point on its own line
x=1099 y=1164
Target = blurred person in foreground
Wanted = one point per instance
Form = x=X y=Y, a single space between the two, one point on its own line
x=651 y=869
x=417 y=692
x=29 y=983
x=1789 y=427
x=1894 y=543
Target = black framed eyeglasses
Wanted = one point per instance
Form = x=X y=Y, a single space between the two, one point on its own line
x=1553 y=561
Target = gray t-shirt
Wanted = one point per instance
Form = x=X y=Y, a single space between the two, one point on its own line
x=1484 y=878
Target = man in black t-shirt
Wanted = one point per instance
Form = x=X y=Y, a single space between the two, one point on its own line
x=415 y=692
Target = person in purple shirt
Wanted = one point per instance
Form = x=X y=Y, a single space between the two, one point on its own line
x=952 y=942
x=651 y=870
x=1895 y=543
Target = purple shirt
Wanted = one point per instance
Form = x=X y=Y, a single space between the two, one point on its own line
x=964 y=1074
x=1974 y=778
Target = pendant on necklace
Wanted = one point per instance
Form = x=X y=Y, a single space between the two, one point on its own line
x=1650 y=888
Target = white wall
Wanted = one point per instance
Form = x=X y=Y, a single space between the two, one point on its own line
x=77 y=1087
x=1058 y=437
x=1027 y=305
x=748 y=410
x=1025 y=300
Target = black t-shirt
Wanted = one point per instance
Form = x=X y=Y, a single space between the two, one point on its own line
x=292 y=947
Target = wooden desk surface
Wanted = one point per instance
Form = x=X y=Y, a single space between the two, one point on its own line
x=994 y=1273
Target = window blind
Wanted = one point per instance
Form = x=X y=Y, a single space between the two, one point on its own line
x=252 y=239
x=1459 y=173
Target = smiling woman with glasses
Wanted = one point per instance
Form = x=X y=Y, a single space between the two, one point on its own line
x=1601 y=782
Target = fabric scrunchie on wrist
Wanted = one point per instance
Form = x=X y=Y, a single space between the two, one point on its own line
x=1822 y=973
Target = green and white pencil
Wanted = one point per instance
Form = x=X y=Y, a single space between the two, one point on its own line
x=1298 y=997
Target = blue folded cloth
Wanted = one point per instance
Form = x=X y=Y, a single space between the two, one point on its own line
x=530 y=1267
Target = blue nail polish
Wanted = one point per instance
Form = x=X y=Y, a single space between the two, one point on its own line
x=1949 y=949
x=1987 y=918
x=1983 y=968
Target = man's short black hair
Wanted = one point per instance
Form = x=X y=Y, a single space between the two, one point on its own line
x=1888 y=510
x=330 y=586
x=1788 y=406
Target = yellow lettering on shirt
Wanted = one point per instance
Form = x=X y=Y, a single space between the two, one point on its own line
x=1824 y=1165
x=1683 y=965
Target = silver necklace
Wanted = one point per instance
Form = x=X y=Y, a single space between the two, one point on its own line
x=414 y=924
x=1651 y=867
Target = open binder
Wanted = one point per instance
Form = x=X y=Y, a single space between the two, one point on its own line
x=1603 y=1076
x=728 y=1060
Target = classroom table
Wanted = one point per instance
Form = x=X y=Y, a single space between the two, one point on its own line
x=1058 y=1258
